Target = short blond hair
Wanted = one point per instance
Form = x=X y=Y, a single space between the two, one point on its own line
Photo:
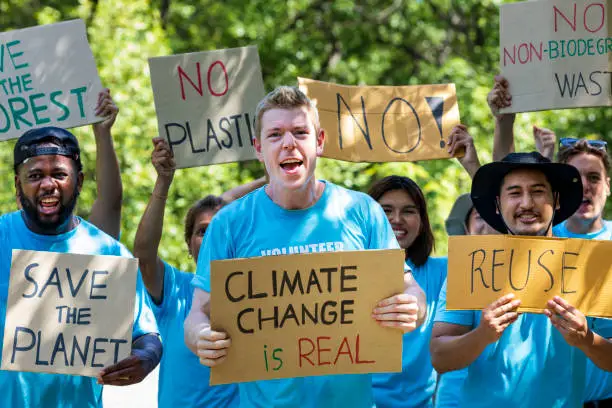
x=285 y=97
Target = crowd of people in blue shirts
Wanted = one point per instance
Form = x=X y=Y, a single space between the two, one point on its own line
x=489 y=358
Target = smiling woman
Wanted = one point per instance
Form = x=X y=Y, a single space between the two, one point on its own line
x=404 y=204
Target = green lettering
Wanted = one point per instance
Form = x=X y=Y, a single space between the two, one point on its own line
x=17 y=113
x=78 y=92
x=38 y=108
x=59 y=105
x=15 y=55
x=26 y=80
x=8 y=120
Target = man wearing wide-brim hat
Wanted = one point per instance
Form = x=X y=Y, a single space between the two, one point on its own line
x=525 y=360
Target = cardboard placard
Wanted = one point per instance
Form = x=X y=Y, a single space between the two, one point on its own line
x=384 y=123
x=481 y=269
x=48 y=77
x=205 y=104
x=68 y=313
x=305 y=314
x=557 y=54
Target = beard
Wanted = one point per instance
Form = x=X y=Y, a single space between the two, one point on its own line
x=30 y=209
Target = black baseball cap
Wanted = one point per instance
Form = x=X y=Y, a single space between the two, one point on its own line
x=28 y=145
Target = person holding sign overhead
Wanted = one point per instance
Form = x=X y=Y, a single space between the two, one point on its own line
x=295 y=209
x=591 y=159
x=106 y=209
x=183 y=381
x=517 y=359
x=48 y=180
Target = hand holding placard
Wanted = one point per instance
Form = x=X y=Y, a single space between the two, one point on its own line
x=535 y=269
x=307 y=314
x=63 y=312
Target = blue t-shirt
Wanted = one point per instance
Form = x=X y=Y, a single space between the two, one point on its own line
x=25 y=389
x=415 y=385
x=530 y=366
x=449 y=388
x=598 y=382
x=183 y=381
x=254 y=226
x=561 y=231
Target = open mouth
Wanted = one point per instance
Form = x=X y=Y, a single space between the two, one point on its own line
x=48 y=205
x=291 y=165
x=527 y=218
x=400 y=233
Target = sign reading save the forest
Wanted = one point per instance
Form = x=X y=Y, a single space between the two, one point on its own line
x=481 y=269
x=384 y=123
x=68 y=313
x=305 y=314
x=205 y=104
x=557 y=53
x=48 y=77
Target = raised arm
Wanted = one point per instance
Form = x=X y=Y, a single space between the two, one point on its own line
x=243 y=189
x=460 y=141
x=503 y=138
x=545 y=141
x=106 y=209
x=149 y=232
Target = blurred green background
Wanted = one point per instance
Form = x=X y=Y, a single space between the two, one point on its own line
x=345 y=41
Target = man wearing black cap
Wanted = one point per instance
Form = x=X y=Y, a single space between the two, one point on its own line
x=525 y=360
x=48 y=179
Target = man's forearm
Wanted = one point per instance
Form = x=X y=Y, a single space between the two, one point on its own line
x=503 y=138
x=195 y=322
x=412 y=287
x=150 y=347
x=450 y=353
x=599 y=350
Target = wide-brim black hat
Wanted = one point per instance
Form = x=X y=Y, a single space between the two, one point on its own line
x=564 y=179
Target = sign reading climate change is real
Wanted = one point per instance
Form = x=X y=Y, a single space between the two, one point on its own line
x=48 y=77
x=481 y=269
x=67 y=313
x=205 y=104
x=557 y=54
x=384 y=123
x=305 y=314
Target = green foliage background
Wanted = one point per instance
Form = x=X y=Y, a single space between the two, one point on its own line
x=345 y=41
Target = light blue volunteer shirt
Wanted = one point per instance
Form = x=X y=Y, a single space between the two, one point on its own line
x=183 y=381
x=598 y=382
x=21 y=389
x=415 y=385
x=530 y=366
x=449 y=388
x=254 y=226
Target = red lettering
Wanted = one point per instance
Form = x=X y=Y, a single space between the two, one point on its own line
x=603 y=16
x=226 y=79
x=534 y=50
x=347 y=352
x=556 y=12
x=357 y=354
x=182 y=74
x=305 y=356
x=319 y=350
x=525 y=47
x=511 y=57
